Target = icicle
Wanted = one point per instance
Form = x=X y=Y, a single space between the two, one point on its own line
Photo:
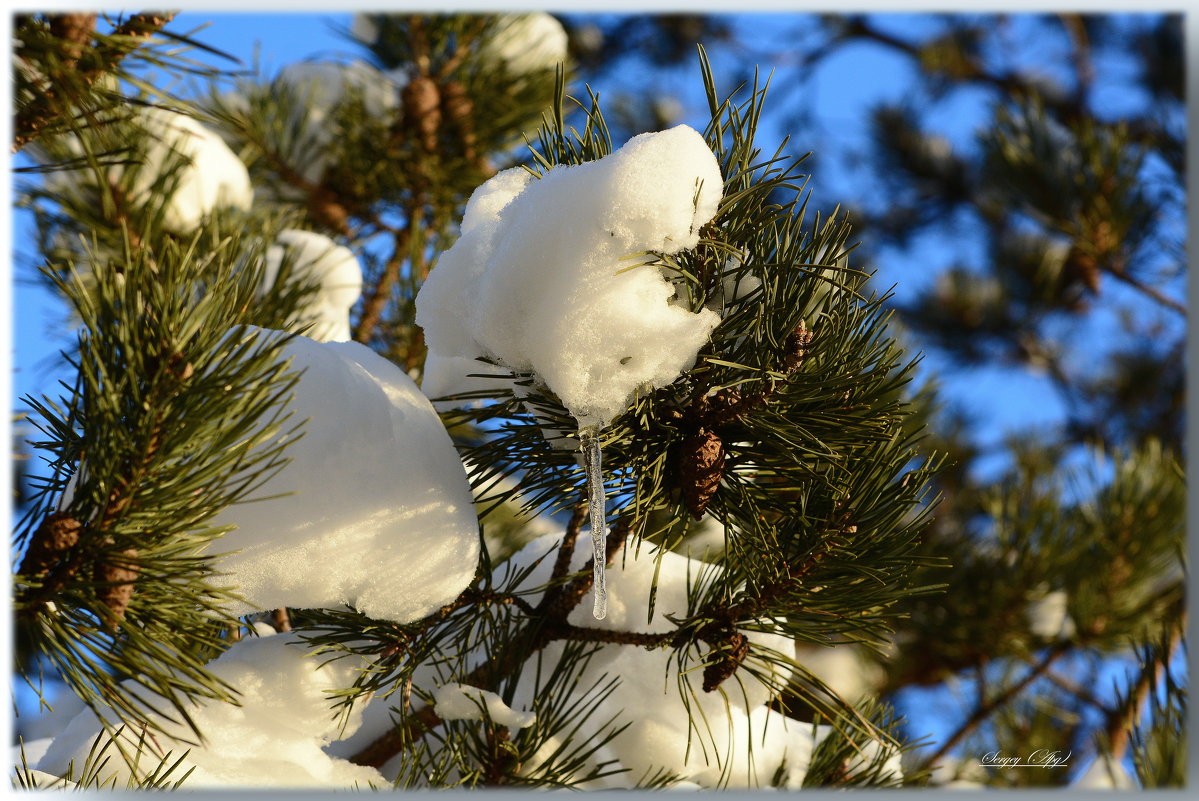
x=590 y=443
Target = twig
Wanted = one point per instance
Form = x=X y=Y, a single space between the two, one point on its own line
x=281 y=620
x=1077 y=690
x=1148 y=291
x=547 y=622
x=372 y=307
x=1076 y=30
x=1123 y=719
x=987 y=708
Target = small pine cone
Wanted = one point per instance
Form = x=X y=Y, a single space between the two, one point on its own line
x=115 y=586
x=732 y=653
x=75 y=30
x=57 y=534
x=701 y=467
x=796 y=349
x=1083 y=267
x=457 y=107
x=724 y=405
x=143 y=25
x=422 y=110
x=455 y=103
x=325 y=209
x=180 y=367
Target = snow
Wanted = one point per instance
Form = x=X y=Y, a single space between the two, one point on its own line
x=845 y=669
x=1048 y=616
x=48 y=721
x=648 y=697
x=705 y=539
x=380 y=515
x=364 y=29
x=1105 y=774
x=317 y=89
x=337 y=273
x=462 y=702
x=273 y=739
x=525 y=43
x=33 y=750
x=40 y=780
x=738 y=741
x=212 y=177
x=325 y=84
x=545 y=277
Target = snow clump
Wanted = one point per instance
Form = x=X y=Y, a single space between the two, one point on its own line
x=461 y=702
x=648 y=697
x=376 y=513
x=1048 y=616
x=845 y=669
x=525 y=43
x=544 y=278
x=1105 y=774
x=315 y=90
x=364 y=29
x=333 y=268
x=273 y=739
x=324 y=85
x=211 y=175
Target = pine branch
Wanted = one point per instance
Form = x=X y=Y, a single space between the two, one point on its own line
x=69 y=84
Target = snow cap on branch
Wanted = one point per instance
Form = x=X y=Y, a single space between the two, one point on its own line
x=364 y=29
x=376 y=510
x=526 y=42
x=547 y=277
x=273 y=739
x=316 y=89
x=213 y=176
x=1048 y=615
x=462 y=702
x=660 y=733
x=325 y=84
x=333 y=268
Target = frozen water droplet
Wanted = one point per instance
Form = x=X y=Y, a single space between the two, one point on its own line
x=590 y=443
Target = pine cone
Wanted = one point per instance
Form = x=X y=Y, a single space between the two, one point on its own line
x=701 y=466
x=58 y=533
x=325 y=209
x=422 y=110
x=115 y=586
x=75 y=30
x=457 y=107
x=796 y=349
x=734 y=650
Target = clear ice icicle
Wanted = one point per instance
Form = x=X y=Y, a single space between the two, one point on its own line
x=590 y=443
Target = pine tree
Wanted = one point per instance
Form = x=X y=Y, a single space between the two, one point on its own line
x=773 y=499
x=1067 y=563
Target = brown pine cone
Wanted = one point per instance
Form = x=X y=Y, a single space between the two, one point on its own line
x=422 y=110
x=115 y=586
x=57 y=534
x=733 y=652
x=701 y=466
